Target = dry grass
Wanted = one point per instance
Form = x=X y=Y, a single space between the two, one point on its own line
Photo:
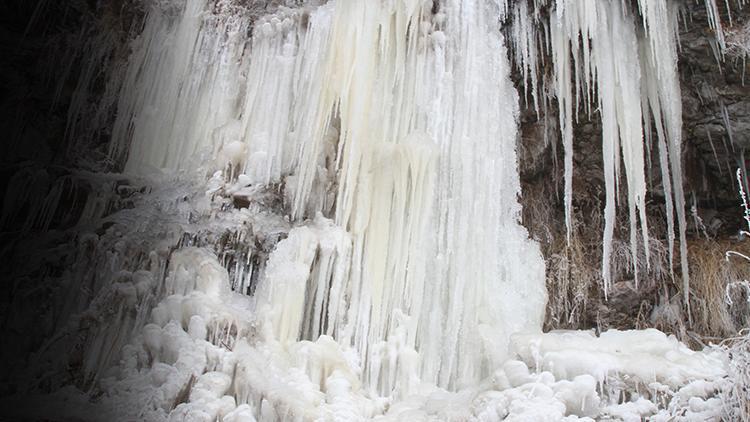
x=718 y=300
x=719 y=290
x=574 y=279
x=572 y=269
x=571 y=275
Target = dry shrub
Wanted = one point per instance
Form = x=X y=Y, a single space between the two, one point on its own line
x=574 y=278
x=719 y=290
x=573 y=269
x=738 y=42
x=736 y=395
x=718 y=293
x=571 y=275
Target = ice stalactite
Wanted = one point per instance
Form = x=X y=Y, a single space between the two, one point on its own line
x=607 y=37
x=525 y=44
x=662 y=97
x=714 y=22
x=415 y=161
x=604 y=60
x=287 y=119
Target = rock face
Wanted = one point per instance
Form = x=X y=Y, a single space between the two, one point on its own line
x=716 y=105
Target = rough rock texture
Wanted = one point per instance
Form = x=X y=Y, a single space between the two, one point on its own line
x=716 y=109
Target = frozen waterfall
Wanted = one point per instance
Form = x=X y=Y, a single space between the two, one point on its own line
x=405 y=120
x=377 y=266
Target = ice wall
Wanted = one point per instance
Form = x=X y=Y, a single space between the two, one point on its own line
x=395 y=120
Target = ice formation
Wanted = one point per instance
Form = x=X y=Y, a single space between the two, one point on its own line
x=399 y=126
x=604 y=60
x=399 y=283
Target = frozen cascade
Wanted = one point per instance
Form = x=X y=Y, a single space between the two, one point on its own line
x=417 y=140
x=402 y=285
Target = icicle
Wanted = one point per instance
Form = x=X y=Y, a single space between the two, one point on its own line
x=524 y=42
x=714 y=22
x=601 y=36
x=727 y=124
x=177 y=72
x=402 y=154
x=636 y=80
x=561 y=58
x=662 y=88
x=713 y=150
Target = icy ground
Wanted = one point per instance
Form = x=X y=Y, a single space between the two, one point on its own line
x=207 y=353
